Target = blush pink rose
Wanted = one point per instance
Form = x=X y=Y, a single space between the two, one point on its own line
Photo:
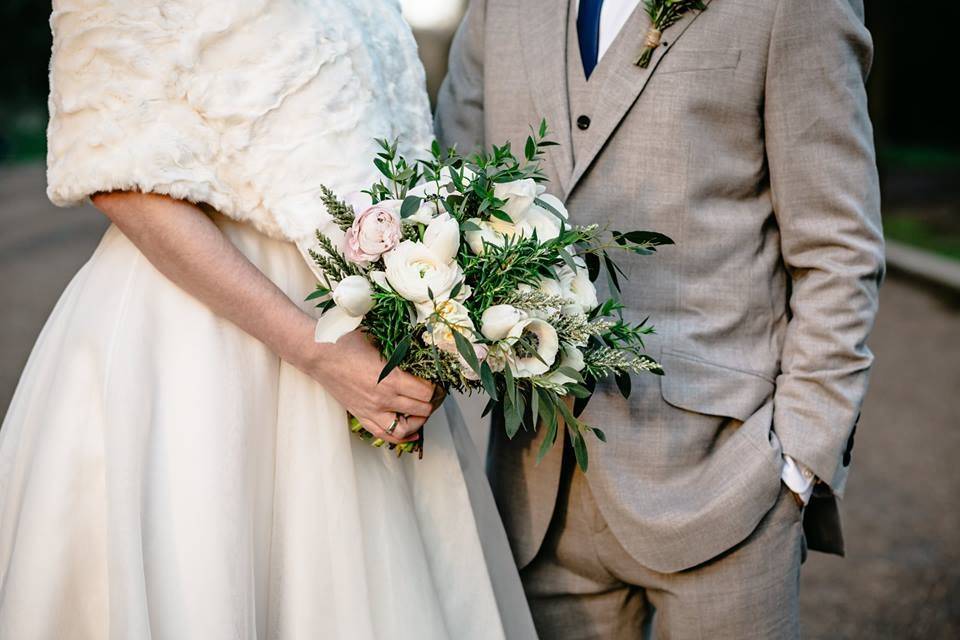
x=374 y=232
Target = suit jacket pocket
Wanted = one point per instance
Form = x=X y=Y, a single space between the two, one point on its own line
x=698 y=60
x=699 y=386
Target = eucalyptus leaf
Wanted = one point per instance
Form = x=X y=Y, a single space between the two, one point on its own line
x=549 y=439
x=623 y=383
x=513 y=418
x=593 y=265
x=319 y=293
x=411 y=204
x=651 y=238
x=549 y=207
x=534 y=409
x=396 y=357
x=530 y=150
x=580 y=451
x=383 y=167
x=571 y=373
x=612 y=273
x=548 y=411
x=580 y=404
x=488 y=381
x=567 y=259
x=466 y=350
x=511 y=393
x=491 y=404
x=578 y=391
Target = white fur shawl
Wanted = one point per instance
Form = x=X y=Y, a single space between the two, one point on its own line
x=246 y=106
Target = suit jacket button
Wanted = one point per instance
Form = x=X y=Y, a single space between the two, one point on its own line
x=583 y=123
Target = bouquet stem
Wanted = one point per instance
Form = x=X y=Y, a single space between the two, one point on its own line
x=407 y=447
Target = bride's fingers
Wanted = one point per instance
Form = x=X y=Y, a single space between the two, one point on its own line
x=404 y=431
x=410 y=386
x=409 y=407
x=417 y=422
x=380 y=431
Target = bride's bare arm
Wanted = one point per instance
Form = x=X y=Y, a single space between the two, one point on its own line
x=189 y=249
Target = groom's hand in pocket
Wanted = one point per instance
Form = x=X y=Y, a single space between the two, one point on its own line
x=350 y=369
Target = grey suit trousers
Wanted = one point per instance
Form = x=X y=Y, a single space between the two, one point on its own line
x=583 y=584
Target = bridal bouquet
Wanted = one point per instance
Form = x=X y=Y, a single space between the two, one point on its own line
x=464 y=272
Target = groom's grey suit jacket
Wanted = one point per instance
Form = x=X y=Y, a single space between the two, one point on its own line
x=746 y=140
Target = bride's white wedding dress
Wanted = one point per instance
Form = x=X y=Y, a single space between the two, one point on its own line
x=164 y=475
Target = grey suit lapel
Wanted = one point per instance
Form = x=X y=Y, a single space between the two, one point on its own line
x=547 y=75
x=622 y=82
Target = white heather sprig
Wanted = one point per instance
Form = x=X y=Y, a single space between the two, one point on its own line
x=578 y=329
x=533 y=300
x=603 y=361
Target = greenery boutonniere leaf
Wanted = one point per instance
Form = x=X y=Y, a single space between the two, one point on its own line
x=663 y=15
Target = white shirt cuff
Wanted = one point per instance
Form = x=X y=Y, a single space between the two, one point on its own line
x=798 y=478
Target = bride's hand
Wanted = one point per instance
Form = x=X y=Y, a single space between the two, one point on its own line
x=187 y=247
x=349 y=369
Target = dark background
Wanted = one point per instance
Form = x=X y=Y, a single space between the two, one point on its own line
x=901 y=578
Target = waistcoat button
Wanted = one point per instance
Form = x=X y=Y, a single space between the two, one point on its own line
x=583 y=123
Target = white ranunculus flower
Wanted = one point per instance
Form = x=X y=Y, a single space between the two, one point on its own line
x=543 y=338
x=414 y=270
x=487 y=233
x=464 y=294
x=452 y=316
x=443 y=237
x=354 y=298
x=574 y=287
x=583 y=293
x=561 y=287
x=498 y=320
x=533 y=218
x=519 y=196
x=379 y=278
x=354 y=295
x=572 y=358
x=543 y=221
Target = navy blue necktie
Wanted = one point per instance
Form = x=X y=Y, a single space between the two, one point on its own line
x=588 y=32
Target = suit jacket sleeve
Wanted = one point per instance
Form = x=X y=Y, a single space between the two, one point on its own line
x=826 y=198
x=459 y=117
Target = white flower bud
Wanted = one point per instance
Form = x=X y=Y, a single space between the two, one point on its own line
x=354 y=295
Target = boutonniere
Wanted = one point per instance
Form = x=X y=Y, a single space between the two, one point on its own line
x=663 y=15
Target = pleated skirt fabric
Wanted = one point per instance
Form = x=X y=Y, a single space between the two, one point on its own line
x=164 y=475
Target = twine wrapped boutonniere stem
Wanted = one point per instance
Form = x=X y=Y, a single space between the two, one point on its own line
x=663 y=15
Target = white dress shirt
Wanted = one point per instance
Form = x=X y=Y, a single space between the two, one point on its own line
x=613 y=16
